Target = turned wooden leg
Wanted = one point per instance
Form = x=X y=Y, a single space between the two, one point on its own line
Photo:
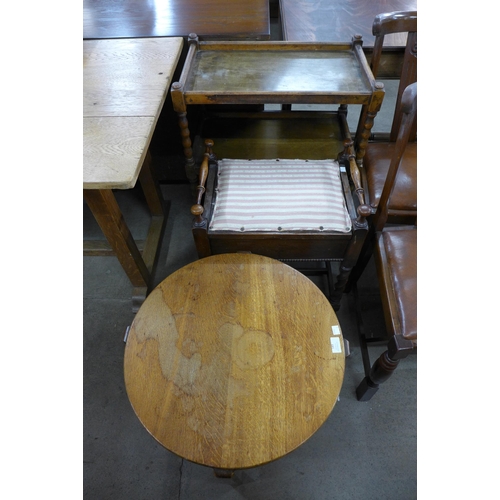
x=367 y=117
x=384 y=366
x=179 y=104
x=365 y=136
x=190 y=165
x=200 y=223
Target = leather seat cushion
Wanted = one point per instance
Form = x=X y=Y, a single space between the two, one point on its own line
x=376 y=163
x=401 y=251
x=279 y=195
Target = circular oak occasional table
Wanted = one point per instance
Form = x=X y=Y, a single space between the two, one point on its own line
x=234 y=361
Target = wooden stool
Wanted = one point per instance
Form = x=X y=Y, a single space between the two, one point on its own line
x=234 y=361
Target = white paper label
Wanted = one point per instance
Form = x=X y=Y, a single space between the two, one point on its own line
x=336 y=330
x=335 y=341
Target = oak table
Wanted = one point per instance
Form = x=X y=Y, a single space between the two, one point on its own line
x=225 y=19
x=338 y=20
x=234 y=361
x=125 y=83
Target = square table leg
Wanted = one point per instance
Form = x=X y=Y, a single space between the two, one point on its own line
x=139 y=266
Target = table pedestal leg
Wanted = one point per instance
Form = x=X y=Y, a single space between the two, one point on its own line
x=224 y=473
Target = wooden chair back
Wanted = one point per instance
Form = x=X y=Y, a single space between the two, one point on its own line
x=408 y=107
x=390 y=23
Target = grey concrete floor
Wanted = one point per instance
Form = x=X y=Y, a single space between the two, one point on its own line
x=365 y=450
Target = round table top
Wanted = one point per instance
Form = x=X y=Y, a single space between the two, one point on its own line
x=234 y=361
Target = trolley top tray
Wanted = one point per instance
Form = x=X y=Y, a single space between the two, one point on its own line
x=267 y=72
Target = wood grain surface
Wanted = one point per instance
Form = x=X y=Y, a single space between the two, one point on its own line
x=127 y=77
x=227 y=19
x=113 y=147
x=125 y=83
x=276 y=71
x=338 y=21
x=229 y=362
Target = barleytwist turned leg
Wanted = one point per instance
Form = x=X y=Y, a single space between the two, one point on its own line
x=188 y=149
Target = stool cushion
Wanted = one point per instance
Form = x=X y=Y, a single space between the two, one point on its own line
x=401 y=251
x=376 y=162
x=280 y=195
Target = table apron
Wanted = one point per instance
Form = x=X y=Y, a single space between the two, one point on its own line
x=277 y=98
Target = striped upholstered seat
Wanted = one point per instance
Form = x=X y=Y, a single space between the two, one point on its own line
x=279 y=195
